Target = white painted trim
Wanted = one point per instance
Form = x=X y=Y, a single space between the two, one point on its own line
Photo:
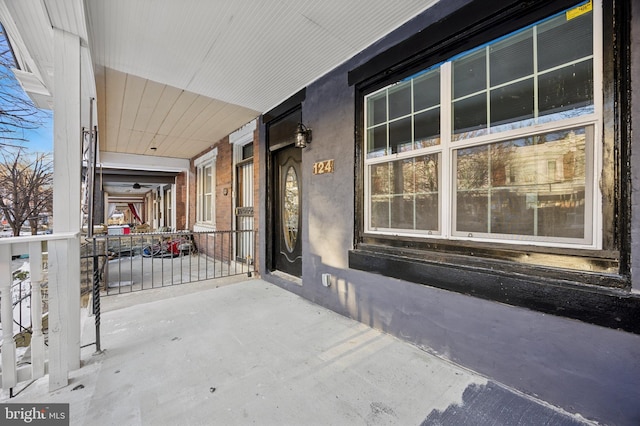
x=244 y=134
x=113 y=160
x=237 y=157
x=446 y=198
x=208 y=159
x=26 y=239
x=188 y=192
x=64 y=256
x=174 y=217
x=598 y=93
x=204 y=227
x=211 y=155
x=30 y=82
x=22 y=54
x=8 y=353
x=162 y=214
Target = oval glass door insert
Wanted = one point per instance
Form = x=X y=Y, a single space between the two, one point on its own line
x=291 y=209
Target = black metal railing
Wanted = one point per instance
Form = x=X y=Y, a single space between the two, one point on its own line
x=141 y=261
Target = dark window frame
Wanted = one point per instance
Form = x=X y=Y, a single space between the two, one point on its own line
x=489 y=270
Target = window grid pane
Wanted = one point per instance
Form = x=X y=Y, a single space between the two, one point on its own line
x=413 y=120
x=205 y=196
x=530 y=188
x=506 y=98
x=405 y=194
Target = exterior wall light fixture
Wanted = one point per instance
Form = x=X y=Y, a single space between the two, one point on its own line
x=303 y=136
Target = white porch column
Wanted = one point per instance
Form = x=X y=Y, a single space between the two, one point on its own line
x=64 y=258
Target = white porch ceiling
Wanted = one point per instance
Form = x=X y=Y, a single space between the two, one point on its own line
x=140 y=116
x=180 y=75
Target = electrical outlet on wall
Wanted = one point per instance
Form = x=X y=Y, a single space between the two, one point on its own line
x=326 y=280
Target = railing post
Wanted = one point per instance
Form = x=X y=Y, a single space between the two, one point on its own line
x=96 y=292
x=58 y=314
x=9 y=372
x=67 y=172
x=37 y=338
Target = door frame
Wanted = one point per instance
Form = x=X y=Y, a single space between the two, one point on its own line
x=273 y=144
x=239 y=139
x=287 y=254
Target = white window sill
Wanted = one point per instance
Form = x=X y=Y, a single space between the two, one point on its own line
x=204 y=227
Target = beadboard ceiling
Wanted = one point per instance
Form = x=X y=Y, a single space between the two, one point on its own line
x=178 y=75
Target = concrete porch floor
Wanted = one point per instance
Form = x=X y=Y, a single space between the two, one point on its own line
x=238 y=351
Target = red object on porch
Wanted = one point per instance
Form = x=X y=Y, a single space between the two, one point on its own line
x=119 y=230
x=134 y=212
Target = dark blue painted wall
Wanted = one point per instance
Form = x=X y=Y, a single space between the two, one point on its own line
x=585 y=369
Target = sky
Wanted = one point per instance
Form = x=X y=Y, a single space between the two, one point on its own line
x=38 y=140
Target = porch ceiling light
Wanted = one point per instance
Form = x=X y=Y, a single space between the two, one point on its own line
x=303 y=136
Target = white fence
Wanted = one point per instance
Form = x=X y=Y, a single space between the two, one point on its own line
x=56 y=359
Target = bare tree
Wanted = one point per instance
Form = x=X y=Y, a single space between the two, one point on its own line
x=17 y=112
x=26 y=189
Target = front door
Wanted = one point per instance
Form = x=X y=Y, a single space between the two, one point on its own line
x=244 y=211
x=288 y=208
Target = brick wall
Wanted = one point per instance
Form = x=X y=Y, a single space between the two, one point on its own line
x=224 y=182
x=221 y=246
x=181 y=201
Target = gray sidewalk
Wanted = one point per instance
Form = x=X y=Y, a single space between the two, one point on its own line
x=249 y=352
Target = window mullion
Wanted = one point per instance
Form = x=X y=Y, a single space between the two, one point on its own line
x=488 y=97
x=388 y=152
x=598 y=159
x=446 y=194
x=390 y=192
x=488 y=189
x=536 y=110
x=488 y=86
x=198 y=194
x=413 y=146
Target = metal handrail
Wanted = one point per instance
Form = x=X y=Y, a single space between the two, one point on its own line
x=141 y=261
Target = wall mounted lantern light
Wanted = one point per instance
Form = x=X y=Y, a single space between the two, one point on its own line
x=303 y=136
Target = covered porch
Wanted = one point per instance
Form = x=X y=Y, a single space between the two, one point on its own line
x=136 y=103
x=242 y=351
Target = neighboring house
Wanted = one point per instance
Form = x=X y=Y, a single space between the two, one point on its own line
x=141 y=197
x=225 y=194
x=468 y=184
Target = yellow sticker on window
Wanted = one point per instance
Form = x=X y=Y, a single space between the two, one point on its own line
x=580 y=10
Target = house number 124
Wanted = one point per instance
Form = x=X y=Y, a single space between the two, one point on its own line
x=322 y=167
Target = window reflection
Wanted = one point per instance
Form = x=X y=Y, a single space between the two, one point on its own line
x=508 y=85
x=404 y=194
x=530 y=186
x=405 y=116
x=500 y=185
x=400 y=100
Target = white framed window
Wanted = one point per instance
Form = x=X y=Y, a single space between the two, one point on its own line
x=168 y=203
x=205 y=186
x=500 y=143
